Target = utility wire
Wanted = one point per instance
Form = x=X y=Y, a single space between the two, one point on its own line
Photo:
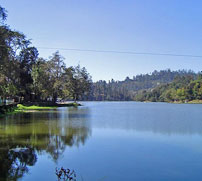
x=120 y=52
x=124 y=52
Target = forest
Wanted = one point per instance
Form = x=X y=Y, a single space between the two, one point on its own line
x=25 y=77
x=134 y=89
x=181 y=89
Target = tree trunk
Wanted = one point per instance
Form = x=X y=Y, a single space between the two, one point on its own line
x=75 y=98
x=55 y=96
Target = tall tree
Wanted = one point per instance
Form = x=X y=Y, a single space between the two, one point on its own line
x=41 y=80
x=11 y=42
x=56 y=71
x=27 y=59
x=3 y=14
x=79 y=82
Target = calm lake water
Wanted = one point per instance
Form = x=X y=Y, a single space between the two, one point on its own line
x=104 y=141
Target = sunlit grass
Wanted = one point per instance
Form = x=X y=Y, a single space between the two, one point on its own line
x=22 y=107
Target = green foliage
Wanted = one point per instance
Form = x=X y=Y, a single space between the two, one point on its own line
x=79 y=82
x=23 y=107
x=3 y=14
x=182 y=89
x=134 y=89
x=26 y=77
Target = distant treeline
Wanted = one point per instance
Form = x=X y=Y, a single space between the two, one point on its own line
x=136 y=88
x=26 y=77
x=182 y=89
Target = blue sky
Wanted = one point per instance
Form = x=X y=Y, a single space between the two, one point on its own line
x=156 y=26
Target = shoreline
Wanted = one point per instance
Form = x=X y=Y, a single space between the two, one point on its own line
x=34 y=107
x=176 y=102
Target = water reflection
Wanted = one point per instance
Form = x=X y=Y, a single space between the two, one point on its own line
x=23 y=136
x=158 y=118
x=14 y=161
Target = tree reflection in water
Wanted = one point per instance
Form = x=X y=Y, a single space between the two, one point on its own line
x=24 y=136
x=14 y=162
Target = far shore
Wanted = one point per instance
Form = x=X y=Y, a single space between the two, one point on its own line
x=177 y=102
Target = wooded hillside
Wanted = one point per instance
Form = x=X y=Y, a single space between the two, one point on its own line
x=128 y=89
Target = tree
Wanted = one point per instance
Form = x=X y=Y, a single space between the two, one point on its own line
x=23 y=74
x=11 y=42
x=41 y=80
x=27 y=59
x=56 y=71
x=3 y=14
x=79 y=82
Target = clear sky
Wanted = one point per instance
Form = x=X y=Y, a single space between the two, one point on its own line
x=156 y=26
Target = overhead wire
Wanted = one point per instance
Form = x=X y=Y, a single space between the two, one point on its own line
x=124 y=52
x=120 y=52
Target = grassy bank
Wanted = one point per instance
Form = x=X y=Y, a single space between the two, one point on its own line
x=34 y=107
x=27 y=107
x=38 y=106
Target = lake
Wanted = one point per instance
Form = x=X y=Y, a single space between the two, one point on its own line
x=104 y=141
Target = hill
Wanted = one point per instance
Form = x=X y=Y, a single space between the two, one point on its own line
x=128 y=89
x=182 y=89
